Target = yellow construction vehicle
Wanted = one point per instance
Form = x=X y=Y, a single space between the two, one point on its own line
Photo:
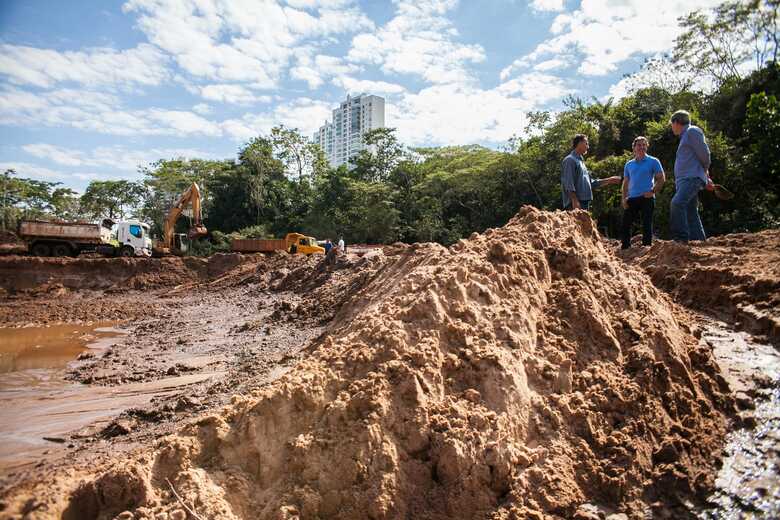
x=292 y=243
x=176 y=243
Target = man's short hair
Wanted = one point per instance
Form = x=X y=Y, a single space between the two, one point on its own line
x=578 y=139
x=639 y=138
x=682 y=117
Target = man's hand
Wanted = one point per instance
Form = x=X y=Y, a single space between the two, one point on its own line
x=611 y=180
x=710 y=185
x=624 y=203
x=649 y=194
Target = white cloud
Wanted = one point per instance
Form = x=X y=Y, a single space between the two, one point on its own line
x=97 y=112
x=356 y=86
x=459 y=114
x=34 y=171
x=315 y=71
x=547 y=5
x=535 y=88
x=605 y=33
x=115 y=157
x=419 y=41
x=202 y=109
x=239 y=41
x=553 y=64
x=225 y=93
x=143 y=65
x=304 y=114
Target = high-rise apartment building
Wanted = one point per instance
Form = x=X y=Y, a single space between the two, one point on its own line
x=343 y=138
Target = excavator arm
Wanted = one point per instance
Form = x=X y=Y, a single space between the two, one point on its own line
x=192 y=197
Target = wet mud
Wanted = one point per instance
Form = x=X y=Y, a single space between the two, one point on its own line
x=748 y=483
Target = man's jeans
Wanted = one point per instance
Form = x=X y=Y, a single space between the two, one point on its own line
x=584 y=204
x=638 y=206
x=684 y=218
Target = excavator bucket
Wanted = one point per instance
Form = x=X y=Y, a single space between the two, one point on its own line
x=197 y=232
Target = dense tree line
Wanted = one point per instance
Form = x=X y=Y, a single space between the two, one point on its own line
x=280 y=182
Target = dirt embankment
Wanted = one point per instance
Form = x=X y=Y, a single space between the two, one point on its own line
x=51 y=290
x=523 y=373
x=735 y=277
x=19 y=274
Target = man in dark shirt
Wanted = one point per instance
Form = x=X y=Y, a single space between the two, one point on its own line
x=576 y=185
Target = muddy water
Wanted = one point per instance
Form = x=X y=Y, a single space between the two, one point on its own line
x=34 y=396
x=48 y=347
x=40 y=410
x=748 y=484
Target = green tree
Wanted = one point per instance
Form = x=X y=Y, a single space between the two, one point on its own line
x=718 y=44
x=384 y=153
x=111 y=199
x=302 y=159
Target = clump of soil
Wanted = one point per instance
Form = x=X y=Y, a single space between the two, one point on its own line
x=519 y=374
x=736 y=277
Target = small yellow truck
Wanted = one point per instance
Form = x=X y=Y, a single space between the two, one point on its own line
x=292 y=243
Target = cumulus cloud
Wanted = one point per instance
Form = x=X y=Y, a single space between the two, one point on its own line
x=304 y=114
x=357 y=86
x=315 y=71
x=115 y=157
x=238 y=41
x=98 y=112
x=35 y=171
x=458 y=114
x=421 y=41
x=604 y=33
x=142 y=65
x=227 y=93
x=547 y=5
x=202 y=109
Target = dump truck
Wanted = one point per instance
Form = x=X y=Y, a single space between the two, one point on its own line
x=292 y=243
x=59 y=238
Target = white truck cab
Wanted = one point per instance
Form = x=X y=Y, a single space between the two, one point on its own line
x=133 y=238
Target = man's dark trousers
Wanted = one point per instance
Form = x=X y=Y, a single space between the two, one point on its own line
x=638 y=206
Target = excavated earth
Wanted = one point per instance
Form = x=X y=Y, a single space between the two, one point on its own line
x=736 y=277
x=527 y=372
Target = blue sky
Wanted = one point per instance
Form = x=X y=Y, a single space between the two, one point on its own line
x=93 y=89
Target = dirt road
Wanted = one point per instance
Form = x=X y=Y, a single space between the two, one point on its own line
x=528 y=372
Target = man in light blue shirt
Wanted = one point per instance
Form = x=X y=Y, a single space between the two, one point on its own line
x=643 y=177
x=691 y=175
x=576 y=185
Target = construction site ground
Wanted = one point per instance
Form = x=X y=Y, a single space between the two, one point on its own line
x=239 y=385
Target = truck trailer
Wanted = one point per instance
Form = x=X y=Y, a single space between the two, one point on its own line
x=45 y=238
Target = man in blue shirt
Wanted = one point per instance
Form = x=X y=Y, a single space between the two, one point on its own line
x=643 y=177
x=576 y=185
x=691 y=175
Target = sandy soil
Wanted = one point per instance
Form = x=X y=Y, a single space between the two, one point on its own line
x=527 y=372
x=736 y=277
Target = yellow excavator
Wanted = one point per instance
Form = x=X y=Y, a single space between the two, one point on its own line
x=175 y=243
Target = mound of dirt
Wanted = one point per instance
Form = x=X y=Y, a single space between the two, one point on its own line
x=736 y=277
x=521 y=373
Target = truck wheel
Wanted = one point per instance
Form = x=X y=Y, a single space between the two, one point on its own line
x=127 y=252
x=60 y=250
x=40 y=249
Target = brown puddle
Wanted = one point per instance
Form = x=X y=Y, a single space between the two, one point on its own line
x=39 y=409
x=47 y=347
x=33 y=390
